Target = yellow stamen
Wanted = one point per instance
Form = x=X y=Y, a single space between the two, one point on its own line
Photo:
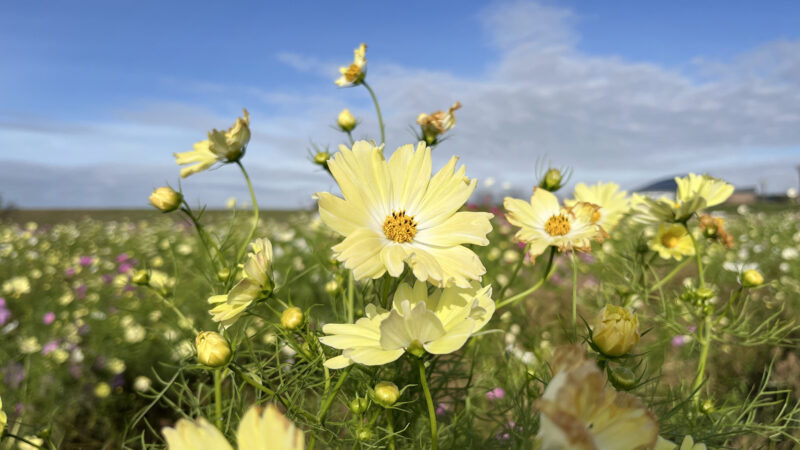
x=557 y=225
x=399 y=227
x=670 y=240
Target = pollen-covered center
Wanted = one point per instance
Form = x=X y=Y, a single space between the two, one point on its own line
x=399 y=227
x=670 y=240
x=557 y=225
x=352 y=73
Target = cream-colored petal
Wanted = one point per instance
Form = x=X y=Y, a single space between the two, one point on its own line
x=393 y=258
x=410 y=171
x=360 y=252
x=268 y=429
x=340 y=215
x=447 y=191
x=445 y=266
x=371 y=356
x=338 y=362
x=195 y=435
x=464 y=227
x=452 y=340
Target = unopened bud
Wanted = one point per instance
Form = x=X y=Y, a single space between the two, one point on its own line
x=707 y=407
x=321 y=158
x=386 y=393
x=616 y=330
x=752 y=278
x=166 y=199
x=346 y=121
x=359 y=405
x=365 y=434
x=622 y=378
x=292 y=318
x=552 y=180
x=213 y=349
x=141 y=277
x=223 y=274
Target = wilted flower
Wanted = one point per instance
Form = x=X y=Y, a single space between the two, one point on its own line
x=257 y=283
x=616 y=330
x=292 y=318
x=543 y=222
x=393 y=213
x=386 y=393
x=417 y=323
x=613 y=203
x=346 y=121
x=580 y=412
x=437 y=123
x=213 y=350
x=166 y=199
x=714 y=228
x=354 y=73
x=260 y=428
x=222 y=146
x=672 y=241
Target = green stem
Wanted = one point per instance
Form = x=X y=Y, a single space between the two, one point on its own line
x=255 y=213
x=350 y=297
x=378 y=110
x=218 y=397
x=205 y=238
x=327 y=403
x=429 y=401
x=515 y=273
x=390 y=425
x=548 y=272
x=574 y=294
x=704 y=336
x=669 y=275
x=350 y=137
x=698 y=256
x=174 y=308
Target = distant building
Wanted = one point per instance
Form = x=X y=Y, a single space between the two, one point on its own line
x=668 y=186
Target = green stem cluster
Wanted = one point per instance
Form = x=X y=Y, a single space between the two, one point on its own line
x=548 y=272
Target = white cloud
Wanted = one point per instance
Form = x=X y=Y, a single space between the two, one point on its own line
x=607 y=117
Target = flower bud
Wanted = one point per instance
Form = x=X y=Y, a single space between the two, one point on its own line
x=359 y=405
x=346 y=121
x=365 y=434
x=622 y=378
x=102 y=390
x=292 y=318
x=141 y=277
x=166 y=199
x=321 y=158
x=386 y=393
x=552 y=180
x=616 y=331
x=707 y=407
x=752 y=278
x=213 y=349
x=223 y=274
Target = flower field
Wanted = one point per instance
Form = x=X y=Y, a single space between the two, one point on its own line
x=404 y=312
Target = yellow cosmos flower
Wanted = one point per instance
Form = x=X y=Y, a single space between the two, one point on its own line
x=438 y=324
x=354 y=73
x=712 y=190
x=260 y=429
x=543 y=222
x=616 y=330
x=695 y=193
x=672 y=241
x=437 y=123
x=222 y=146
x=257 y=283
x=393 y=213
x=613 y=203
x=580 y=412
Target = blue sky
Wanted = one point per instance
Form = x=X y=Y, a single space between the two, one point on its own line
x=97 y=95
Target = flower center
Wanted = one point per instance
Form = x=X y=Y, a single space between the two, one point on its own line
x=670 y=240
x=353 y=72
x=596 y=216
x=399 y=227
x=557 y=225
